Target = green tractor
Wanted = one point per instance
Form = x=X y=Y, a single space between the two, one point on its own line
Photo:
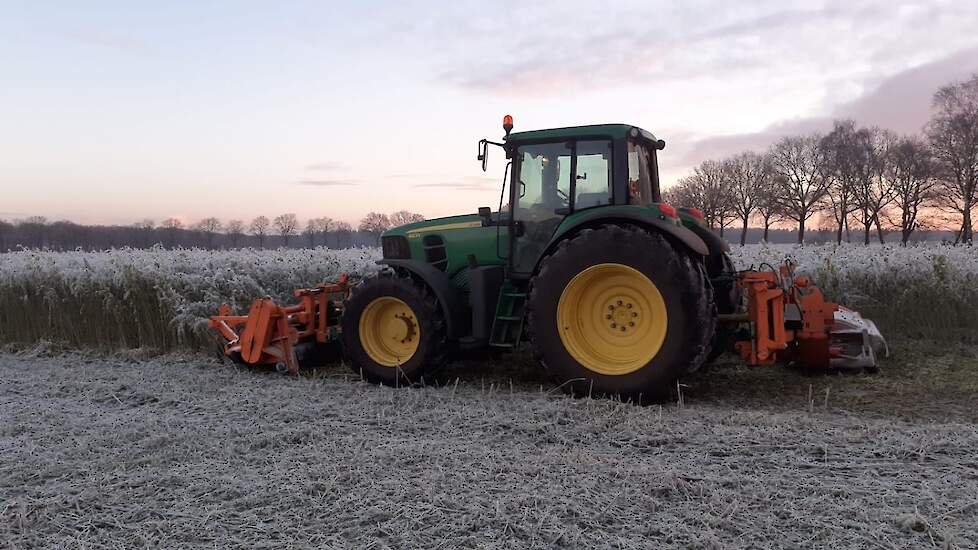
x=616 y=292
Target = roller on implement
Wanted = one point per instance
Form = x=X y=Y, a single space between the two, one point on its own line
x=616 y=292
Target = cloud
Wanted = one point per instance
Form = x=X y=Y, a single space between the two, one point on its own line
x=461 y=186
x=467 y=183
x=900 y=102
x=327 y=166
x=566 y=47
x=642 y=48
x=326 y=183
x=766 y=23
x=109 y=40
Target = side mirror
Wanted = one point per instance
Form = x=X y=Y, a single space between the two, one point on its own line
x=486 y=214
x=483 y=153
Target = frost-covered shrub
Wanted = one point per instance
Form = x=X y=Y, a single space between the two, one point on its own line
x=151 y=298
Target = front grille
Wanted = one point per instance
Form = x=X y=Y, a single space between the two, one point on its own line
x=395 y=247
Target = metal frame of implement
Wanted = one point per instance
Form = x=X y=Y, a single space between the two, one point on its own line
x=269 y=333
x=790 y=320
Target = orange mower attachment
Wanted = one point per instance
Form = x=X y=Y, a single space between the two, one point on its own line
x=270 y=334
x=790 y=320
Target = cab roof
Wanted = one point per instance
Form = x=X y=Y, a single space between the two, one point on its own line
x=613 y=131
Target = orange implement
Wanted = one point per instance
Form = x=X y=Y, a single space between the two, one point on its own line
x=269 y=333
x=789 y=319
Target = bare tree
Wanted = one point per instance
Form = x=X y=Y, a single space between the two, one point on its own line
x=235 y=230
x=317 y=227
x=286 y=225
x=709 y=189
x=872 y=191
x=34 y=229
x=911 y=173
x=343 y=232
x=375 y=223
x=681 y=195
x=172 y=227
x=321 y=227
x=209 y=227
x=799 y=163
x=953 y=135
x=6 y=228
x=845 y=166
x=750 y=176
x=259 y=228
x=402 y=217
x=312 y=228
x=769 y=209
x=144 y=228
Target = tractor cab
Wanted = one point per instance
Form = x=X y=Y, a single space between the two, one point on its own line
x=557 y=174
x=602 y=164
x=557 y=182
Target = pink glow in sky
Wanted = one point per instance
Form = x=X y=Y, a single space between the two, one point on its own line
x=113 y=112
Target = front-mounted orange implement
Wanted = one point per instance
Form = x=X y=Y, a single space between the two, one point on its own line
x=789 y=320
x=272 y=335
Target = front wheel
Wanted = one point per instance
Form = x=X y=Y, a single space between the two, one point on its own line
x=617 y=310
x=393 y=331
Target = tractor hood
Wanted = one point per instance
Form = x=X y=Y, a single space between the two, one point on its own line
x=446 y=243
x=466 y=221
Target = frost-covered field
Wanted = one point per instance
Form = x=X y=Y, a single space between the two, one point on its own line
x=160 y=299
x=142 y=450
x=184 y=453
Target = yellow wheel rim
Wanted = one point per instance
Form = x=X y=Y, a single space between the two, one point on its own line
x=611 y=319
x=389 y=331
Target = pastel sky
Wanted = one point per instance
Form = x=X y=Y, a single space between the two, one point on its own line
x=112 y=111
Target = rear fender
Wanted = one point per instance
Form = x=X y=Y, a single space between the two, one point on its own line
x=677 y=234
x=714 y=243
x=441 y=286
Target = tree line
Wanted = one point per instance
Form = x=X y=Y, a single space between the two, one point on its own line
x=284 y=230
x=867 y=178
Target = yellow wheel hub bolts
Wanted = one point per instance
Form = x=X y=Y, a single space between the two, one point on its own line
x=612 y=319
x=389 y=331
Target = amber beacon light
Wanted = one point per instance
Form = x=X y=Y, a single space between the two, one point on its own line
x=508 y=124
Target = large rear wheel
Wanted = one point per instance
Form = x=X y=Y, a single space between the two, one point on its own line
x=604 y=319
x=393 y=330
x=722 y=273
